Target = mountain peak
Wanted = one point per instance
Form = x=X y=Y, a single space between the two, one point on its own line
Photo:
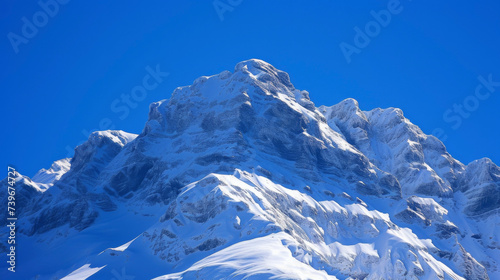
x=263 y=72
x=254 y=86
x=100 y=148
x=350 y=103
x=46 y=177
x=254 y=66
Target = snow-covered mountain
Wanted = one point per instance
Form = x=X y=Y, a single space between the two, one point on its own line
x=241 y=176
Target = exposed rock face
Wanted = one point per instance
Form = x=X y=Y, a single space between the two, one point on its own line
x=422 y=210
x=419 y=162
x=481 y=186
x=256 y=113
x=63 y=194
x=243 y=160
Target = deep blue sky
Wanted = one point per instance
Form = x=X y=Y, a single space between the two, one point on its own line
x=64 y=79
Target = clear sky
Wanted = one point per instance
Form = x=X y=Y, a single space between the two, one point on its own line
x=67 y=65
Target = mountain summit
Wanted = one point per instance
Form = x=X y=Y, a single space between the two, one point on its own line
x=241 y=176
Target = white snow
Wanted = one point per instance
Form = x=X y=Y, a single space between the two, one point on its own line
x=259 y=258
x=83 y=272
